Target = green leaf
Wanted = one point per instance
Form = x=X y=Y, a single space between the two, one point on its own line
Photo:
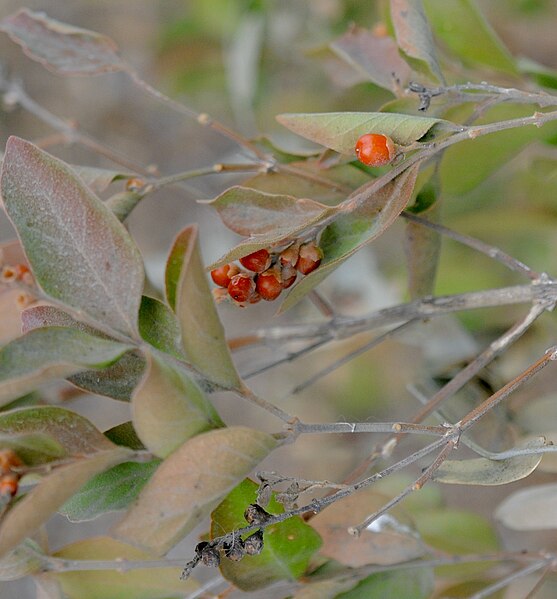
x=73 y=433
x=49 y=353
x=148 y=583
x=33 y=448
x=482 y=471
x=287 y=546
x=79 y=252
x=410 y=584
x=391 y=541
x=109 y=491
x=465 y=32
x=467 y=164
x=122 y=203
x=349 y=232
x=414 y=36
x=250 y=213
x=124 y=434
x=190 y=483
x=169 y=408
x=544 y=76
x=116 y=381
x=189 y=295
x=62 y=48
x=36 y=507
x=23 y=560
x=530 y=509
x=159 y=327
x=324 y=589
x=422 y=245
x=341 y=130
x=377 y=58
x=457 y=531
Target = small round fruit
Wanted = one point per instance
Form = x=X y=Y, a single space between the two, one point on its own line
x=289 y=256
x=269 y=285
x=241 y=287
x=375 y=149
x=9 y=460
x=221 y=275
x=310 y=258
x=257 y=261
x=9 y=484
x=288 y=276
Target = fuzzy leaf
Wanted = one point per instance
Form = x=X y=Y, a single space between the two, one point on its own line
x=49 y=353
x=79 y=252
x=251 y=213
x=376 y=57
x=73 y=433
x=169 y=408
x=116 y=381
x=36 y=507
x=33 y=448
x=414 y=36
x=190 y=483
x=413 y=584
x=482 y=471
x=341 y=130
x=287 y=546
x=189 y=295
x=351 y=231
x=457 y=22
x=62 y=48
x=159 y=327
x=390 y=540
x=148 y=583
x=109 y=491
x=534 y=508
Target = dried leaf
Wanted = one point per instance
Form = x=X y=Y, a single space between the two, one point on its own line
x=151 y=583
x=189 y=295
x=62 y=48
x=391 y=539
x=49 y=353
x=534 y=508
x=190 y=483
x=376 y=57
x=169 y=408
x=341 y=130
x=351 y=231
x=36 y=507
x=414 y=36
x=79 y=252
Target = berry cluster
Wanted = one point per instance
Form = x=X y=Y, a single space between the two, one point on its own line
x=9 y=479
x=267 y=273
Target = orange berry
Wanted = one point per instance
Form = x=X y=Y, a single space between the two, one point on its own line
x=134 y=184
x=9 y=484
x=8 y=461
x=241 y=287
x=289 y=256
x=310 y=258
x=269 y=285
x=375 y=149
x=221 y=276
x=257 y=261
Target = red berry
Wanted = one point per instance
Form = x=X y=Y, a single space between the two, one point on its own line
x=375 y=149
x=289 y=256
x=221 y=276
x=269 y=285
x=257 y=261
x=241 y=287
x=310 y=258
x=288 y=275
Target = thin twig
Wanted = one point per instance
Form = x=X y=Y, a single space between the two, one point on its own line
x=370 y=427
x=503 y=582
